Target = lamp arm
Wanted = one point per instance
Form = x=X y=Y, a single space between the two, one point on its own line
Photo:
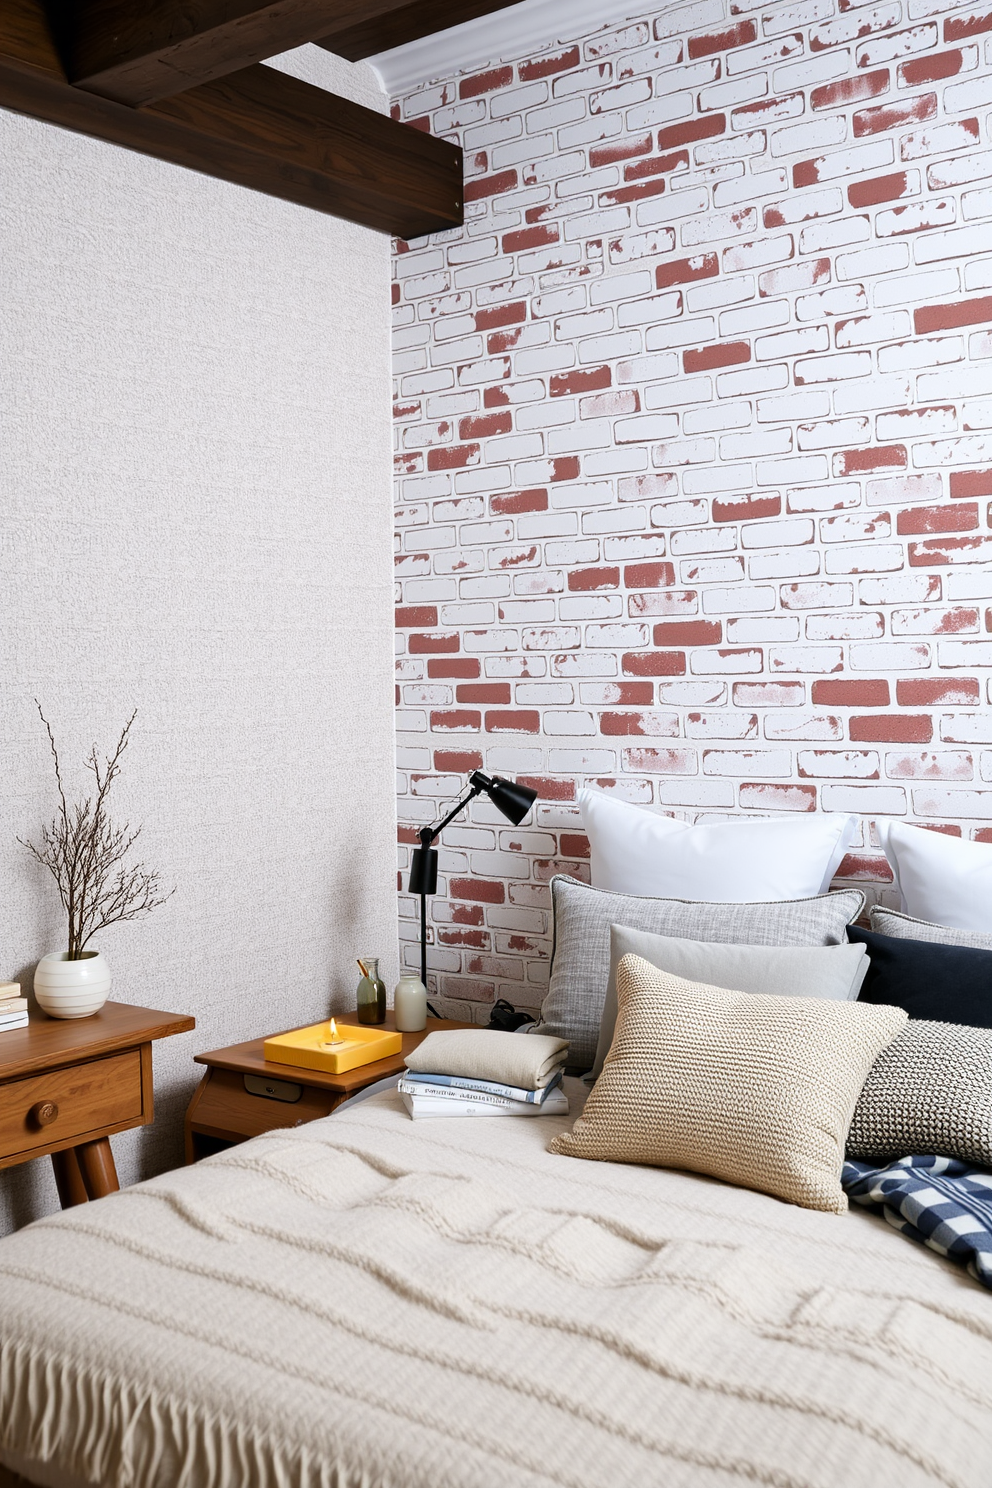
x=431 y=834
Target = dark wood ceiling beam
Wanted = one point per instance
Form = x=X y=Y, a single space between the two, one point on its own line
x=259 y=128
x=408 y=22
x=137 y=51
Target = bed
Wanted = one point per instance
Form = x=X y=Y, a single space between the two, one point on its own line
x=374 y=1302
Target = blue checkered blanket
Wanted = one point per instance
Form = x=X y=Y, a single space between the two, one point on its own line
x=939 y=1201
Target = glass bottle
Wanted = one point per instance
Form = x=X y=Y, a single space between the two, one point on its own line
x=371 y=996
x=410 y=1003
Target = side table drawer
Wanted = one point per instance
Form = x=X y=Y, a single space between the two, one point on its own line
x=42 y=1111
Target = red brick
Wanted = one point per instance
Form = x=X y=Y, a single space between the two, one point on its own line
x=408 y=836
x=479 y=940
x=439 y=641
x=633 y=694
x=485 y=82
x=542 y=67
x=565 y=468
x=971 y=483
x=937 y=692
x=484 y=692
x=505 y=340
x=495 y=397
x=453 y=456
x=850 y=692
x=457 y=761
x=688 y=633
x=722 y=41
x=864 y=868
x=895 y=115
x=922 y=70
x=721 y=354
x=396 y=293
x=500 y=315
x=851 y=90
x=930 y=318
x=483 y=186
x=883 y=457
x=530 y=237
x=522 y=721
x=657 y=165
x=423 y=124
x=881 y=189
x=959 y=28
x=625 y=149
x=654 y=663
x=916 y=520
x=456 y=718
x=582 y=579
x=755 y=796
x=621 y=194
x=575 y=844
x=485 y=426
x=937 y=551
x=892 y=728
x=649 y=575
x=455 y=666
x=582 y=380
x=513 y=503
x=481 y=890
x=743 y=508
x=704 y=127
x=687 y=270
x=419 y=615
x=622 y=724
x=548 y=788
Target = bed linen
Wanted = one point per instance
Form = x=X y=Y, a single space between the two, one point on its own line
x=371 y=1302
x=937 y=1201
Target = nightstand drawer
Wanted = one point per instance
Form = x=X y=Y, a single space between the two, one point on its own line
x=64 y=1105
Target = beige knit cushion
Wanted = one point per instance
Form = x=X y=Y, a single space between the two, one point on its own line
x=755 y=1089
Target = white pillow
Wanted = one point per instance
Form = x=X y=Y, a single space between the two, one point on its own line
x=635 y=851
x=940 y=878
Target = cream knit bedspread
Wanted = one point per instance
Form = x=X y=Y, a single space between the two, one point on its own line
x=372 y=1302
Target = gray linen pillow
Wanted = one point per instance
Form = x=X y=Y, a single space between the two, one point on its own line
x=904 y=927
x=929 y=1091
x=580 y=960
x=830 y=972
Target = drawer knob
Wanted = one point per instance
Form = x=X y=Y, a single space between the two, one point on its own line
x=44 y=1113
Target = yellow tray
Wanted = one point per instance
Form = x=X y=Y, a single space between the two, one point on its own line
x=305 y=1047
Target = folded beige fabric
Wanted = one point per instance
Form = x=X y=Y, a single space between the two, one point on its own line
x=529 y=1061
x=758 y=1090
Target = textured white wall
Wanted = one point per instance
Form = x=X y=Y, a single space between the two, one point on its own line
x=194 y=404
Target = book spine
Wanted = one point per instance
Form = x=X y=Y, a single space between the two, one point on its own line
x=13 y=1005
x=7 y=1025
x=486 y=1087
x=449 y=1093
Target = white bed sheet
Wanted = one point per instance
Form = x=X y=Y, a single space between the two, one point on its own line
x=373 y=1302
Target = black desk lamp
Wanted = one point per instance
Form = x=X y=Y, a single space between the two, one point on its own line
x=513 y=800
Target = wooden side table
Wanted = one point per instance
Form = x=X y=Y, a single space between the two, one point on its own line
x=67 y=1085
x=243 y=1095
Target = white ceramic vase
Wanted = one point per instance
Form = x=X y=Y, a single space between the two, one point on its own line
x=410 y=1003
x=72 y=989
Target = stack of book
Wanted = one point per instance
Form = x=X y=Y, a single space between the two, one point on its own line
x=457 y=1095
x=13 y=1007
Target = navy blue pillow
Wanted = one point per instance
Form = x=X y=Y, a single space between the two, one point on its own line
x=947 y=984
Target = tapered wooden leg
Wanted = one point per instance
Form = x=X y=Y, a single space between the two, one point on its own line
x=96 y=1163
x=68 y=1178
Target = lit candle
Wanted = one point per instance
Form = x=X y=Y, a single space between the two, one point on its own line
x=333 y=1041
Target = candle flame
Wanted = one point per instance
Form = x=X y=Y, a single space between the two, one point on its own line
x=332 y=1031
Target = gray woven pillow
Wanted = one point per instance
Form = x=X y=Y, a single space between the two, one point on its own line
x=904 y=927
x=930 y=1091
x=580 y=962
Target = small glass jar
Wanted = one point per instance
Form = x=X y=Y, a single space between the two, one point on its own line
x=371 y=995
x=410 y=1003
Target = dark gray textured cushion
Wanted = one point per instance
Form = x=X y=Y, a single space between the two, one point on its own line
x=904 y=927
x=930 y=1091
x=580 y=963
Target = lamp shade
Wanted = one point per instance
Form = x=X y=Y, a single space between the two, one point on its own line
x=512 y=799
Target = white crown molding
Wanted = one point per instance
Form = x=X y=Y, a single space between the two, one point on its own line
x=504 y=36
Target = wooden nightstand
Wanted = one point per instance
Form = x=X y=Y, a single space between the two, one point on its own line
x=67 y=1085
x=243 y=1095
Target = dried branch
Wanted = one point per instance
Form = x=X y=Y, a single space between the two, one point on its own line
x=85 y=853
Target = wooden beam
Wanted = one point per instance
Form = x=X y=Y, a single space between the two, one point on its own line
x=408 y=22
x=137 y=51
x=258 y=128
